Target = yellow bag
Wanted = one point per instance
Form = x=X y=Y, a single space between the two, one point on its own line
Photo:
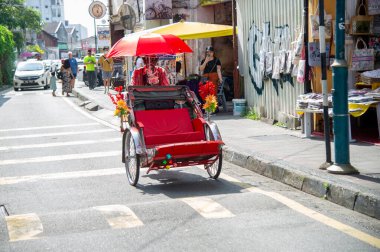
x=361 y=24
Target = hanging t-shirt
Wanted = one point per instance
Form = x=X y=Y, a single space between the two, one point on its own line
x=211 y=66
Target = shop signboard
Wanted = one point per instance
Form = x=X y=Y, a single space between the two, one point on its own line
x=103 y=32
x=158 y=9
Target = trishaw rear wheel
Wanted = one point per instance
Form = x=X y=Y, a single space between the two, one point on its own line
x=214 y=169
x=132 y=160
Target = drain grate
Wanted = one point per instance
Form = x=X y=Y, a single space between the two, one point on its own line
x=3 y=211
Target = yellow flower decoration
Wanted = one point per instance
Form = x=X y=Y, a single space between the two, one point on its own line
x=210 y=103
x=121 y=108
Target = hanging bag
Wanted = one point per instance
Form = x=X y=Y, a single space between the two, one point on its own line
x=361 y=24
x=301 y=68
x=314 y=21
x=362 y=59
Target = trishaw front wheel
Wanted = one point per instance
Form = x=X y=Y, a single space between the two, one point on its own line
x=132 y=160
x=214 y=169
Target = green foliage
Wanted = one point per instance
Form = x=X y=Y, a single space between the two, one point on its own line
x=327 y=189
x=14 y=15
x=280 y=124
x=18 y=38
x=6 y=55
x=252 y=114
x=34 y=48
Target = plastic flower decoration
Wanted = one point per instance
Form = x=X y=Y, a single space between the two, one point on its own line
x=210 y=103
x=207 y=91
x=121 y=108
x=208 y=88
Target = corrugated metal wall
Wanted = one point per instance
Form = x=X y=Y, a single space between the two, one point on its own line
x=272 y=104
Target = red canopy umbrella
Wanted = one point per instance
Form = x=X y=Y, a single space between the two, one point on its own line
x=141 y=44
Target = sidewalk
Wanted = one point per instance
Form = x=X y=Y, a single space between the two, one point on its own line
x=283 y=155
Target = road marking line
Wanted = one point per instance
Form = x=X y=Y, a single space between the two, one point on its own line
x=373 y=241
x=75 y=107
x=23 y=227
x=61 y=175
x=320 y=217
x=61 y=157
x=207 y=207
x=120 y=216
x=50 y=127
x=56 y=134
x=48 y=145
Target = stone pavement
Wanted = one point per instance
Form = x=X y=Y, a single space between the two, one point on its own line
x=282 y=154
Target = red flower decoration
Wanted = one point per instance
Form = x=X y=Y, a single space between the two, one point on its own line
x=206 y=89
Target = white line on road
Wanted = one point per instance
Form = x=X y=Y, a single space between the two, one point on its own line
x=208 y=208
x=61 y=175
x=23 y=227
x=119 y=216
x=56 y=134
x=75 y=107
x=48 y=145
x=50 y=127
x=60 y=157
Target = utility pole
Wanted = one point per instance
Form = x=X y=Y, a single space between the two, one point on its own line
x=326 y=118
x=340 y=97
x=96 y=39
x=307 y=85
x=235 y=53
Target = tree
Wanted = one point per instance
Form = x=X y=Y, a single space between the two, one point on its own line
x=6 y=55
x=14 y=15
x=35 y=48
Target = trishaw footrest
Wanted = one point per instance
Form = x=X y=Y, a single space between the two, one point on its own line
x=188 y=150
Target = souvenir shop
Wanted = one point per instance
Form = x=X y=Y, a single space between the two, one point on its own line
x=362 y=48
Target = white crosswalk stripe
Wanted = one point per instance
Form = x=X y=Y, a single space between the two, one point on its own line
x=60 y=157
x=23 y=227
x=59 y=144
x=119 y=216
x=50 y=127
x=57 y=134
x=208 y=208
x=61 y=175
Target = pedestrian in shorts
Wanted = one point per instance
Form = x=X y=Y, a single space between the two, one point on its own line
x=106 y=65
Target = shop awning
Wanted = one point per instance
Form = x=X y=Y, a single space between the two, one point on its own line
x=194 y=30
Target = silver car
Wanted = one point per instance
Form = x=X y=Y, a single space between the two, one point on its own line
x=31 y=74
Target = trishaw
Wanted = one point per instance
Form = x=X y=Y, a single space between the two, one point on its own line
x=166 y=129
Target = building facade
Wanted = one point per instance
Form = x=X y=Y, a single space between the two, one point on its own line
x=51 y=10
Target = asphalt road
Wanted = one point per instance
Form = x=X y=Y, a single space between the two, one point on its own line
x=63 y=187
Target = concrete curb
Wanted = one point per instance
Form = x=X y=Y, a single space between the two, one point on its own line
x=320 y=187
x=343 y=195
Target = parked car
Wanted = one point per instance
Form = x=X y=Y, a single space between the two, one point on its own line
x=31 y=74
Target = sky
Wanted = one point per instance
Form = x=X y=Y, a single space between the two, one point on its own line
x=76 y=11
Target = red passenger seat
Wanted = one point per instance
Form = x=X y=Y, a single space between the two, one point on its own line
x=169 y=126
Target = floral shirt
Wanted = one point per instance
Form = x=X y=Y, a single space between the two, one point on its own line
x=146 y=77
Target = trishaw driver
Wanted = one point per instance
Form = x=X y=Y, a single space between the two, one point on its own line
x=150 y=74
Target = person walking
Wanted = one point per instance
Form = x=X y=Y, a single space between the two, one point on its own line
x=90 y=62
x=74 y=68
x=67 y=76
x=106 y=65
x=53 y=83
x=212 y=68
